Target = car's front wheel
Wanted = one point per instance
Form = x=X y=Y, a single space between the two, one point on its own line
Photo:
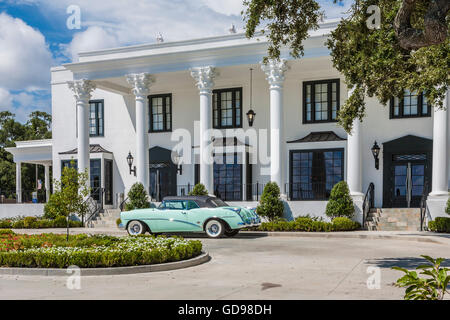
x=231 y=233
x=136 y=228
x=214 y=229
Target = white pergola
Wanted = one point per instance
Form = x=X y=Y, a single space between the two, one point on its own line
x=37 y=152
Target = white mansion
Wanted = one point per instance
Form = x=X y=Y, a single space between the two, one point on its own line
x=134 y=100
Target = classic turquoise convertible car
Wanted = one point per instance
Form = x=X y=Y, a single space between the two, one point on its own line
x=191 y=214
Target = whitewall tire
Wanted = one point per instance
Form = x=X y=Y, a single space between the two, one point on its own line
x=214 y=229
x=136 y=228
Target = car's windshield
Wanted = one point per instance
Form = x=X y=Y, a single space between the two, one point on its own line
x=173 y=205
x=219 y=203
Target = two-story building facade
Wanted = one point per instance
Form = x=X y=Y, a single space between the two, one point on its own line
x=193 y=97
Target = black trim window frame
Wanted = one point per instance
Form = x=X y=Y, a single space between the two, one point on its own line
x=97 y=123
x=236 y=108
x=165 y=114
x=399 y=103
x=309 y=105
x=315 y=190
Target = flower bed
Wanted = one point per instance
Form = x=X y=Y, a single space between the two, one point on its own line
x=53 y=251
x=38 y=223
x=308 y=224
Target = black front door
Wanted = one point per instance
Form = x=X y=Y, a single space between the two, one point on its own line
x=108 y=182
x=163 y=181
x=408 y=183
x=407 y=171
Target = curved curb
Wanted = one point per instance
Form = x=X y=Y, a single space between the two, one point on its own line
x=203 y=258
x=343 y=235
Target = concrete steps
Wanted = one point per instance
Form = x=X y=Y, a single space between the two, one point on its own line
x=107 y=219
x=407 y=219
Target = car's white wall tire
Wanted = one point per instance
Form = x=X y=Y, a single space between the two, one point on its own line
x=136 y=228
x=214 y=229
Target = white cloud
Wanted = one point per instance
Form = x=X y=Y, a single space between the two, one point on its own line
x=93 y=38
x=25 y=59
x=228 y=7
x=5 y=100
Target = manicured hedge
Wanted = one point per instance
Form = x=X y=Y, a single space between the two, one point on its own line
x=441 y=225
x=51 y=251
x=37 y=223
x=308 y=224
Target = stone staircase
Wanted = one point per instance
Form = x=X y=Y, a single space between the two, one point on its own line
x=106 y=220
x=393 y=220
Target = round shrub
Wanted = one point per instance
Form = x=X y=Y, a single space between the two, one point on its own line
x=60 y=222
x=199 y=190
x=5 y=224
x=340 y=203
x=447 y=210
x=345 y=224
x=137 y=198
x=270 y=205
x=54 y=206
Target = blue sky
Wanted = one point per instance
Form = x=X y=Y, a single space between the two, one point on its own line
x=34 y=36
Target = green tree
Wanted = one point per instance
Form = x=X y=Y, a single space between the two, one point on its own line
x=409 y=50
x=199 y=190
x=340 y=203
x=70 y=194
x=270 y=205
x=137 y=198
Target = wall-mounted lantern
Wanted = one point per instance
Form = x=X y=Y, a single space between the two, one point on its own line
x=130 y=160
x=177 y=160
x=376 y=154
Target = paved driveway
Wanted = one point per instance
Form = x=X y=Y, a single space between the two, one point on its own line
x=252 y=268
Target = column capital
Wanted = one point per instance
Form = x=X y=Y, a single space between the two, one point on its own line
x=204 y=78
x=140 y=83
x=82 y=89
x=275 y=71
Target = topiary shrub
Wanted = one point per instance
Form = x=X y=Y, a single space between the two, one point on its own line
x=440 y=224
x=54 y=206
x=448 y=206
x=137 y=198
x=270 y=205
x=340 y=203
x=199 y=190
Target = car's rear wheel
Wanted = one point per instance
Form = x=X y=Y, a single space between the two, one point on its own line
x=136 y=228
x=231 y=233
x=214 y=229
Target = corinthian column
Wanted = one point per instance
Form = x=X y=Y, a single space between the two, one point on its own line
x=141 y=89
x=275 y=72
x=204 y=78
x=82 y=90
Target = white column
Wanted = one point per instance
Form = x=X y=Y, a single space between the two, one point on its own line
x=19 y=182
x=47 y=182
x=440 y=150
x=82 y=90
x=275 y=71
x=141 y=89
x=204 y=78
x=354 y=158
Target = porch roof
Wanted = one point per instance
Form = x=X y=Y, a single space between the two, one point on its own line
x=319 y=137
x=34 y=152
x=221 y=51
x=94 y=148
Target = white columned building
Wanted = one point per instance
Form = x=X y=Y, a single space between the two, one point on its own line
x=354 y=159
x=204 y=78
x=82 y=90
x=141 y=89
x=275 y=72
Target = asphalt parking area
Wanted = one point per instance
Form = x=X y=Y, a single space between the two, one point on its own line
x=253 y=268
